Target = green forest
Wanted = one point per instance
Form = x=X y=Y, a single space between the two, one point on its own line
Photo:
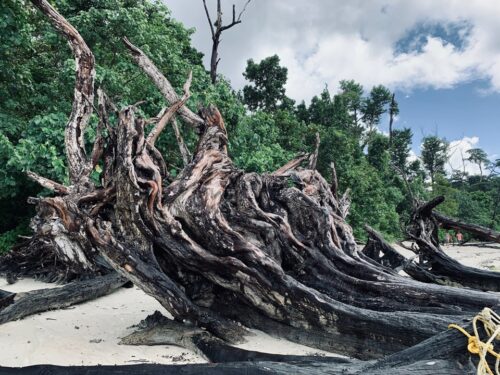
x=266 y=128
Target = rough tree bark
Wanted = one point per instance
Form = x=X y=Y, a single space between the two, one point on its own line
x=218 y=247
x=380 y=251
x=442 y=354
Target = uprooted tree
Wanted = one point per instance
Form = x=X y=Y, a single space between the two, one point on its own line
x=431 y=263
x=222 y=249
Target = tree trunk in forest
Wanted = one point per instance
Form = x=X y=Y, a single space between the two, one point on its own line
x=221 y=249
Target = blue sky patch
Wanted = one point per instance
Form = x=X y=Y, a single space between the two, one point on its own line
x=455 y=33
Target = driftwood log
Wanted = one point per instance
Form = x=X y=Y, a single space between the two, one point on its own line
x=432 y=264
x=442 y=354
x=477 y=231
x=383 y=253
x=222 y=249
x=15 y=306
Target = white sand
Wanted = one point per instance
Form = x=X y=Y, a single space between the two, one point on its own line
x=473 y=255
x=88 y=334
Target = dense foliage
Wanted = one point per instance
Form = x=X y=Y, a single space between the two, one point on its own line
x=266 y=128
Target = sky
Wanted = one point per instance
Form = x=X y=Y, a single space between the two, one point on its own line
x=441 y=58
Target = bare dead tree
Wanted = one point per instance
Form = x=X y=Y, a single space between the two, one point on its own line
x=393 y=111
x=217 y=28
x=313 y=159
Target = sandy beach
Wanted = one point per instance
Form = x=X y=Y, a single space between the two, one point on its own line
x=89 y=333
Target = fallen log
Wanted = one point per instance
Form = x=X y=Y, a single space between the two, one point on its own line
x=434 y=367
x=19 y=305
x=442 y=354
x=156 y=329
x=477 y=231
x=434 y=265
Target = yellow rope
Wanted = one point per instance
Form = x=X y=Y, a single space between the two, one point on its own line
x=491 y=324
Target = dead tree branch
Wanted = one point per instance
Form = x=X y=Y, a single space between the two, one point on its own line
x=170 y=112
x=335 y=183
x=78 y=164
x=48 y=184
x=486 y=234
x=185 y=154
x=162 y=84
x=216 y=30
x=292 y=164
x=20 y=305
x=313 y=158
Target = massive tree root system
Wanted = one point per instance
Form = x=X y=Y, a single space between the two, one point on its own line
x=431 y=263
x=222 y=249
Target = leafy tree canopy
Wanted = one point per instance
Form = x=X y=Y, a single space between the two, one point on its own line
x=267 y=89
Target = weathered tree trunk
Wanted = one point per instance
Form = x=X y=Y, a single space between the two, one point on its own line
x=478 y=231
x=218 y=247
x=159 y=330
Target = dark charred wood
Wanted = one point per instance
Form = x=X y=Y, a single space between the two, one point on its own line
x=6 y=298
x=442 y=354
x=379 y=250
x=39 y=258
x=436 y=367
x=159 y=330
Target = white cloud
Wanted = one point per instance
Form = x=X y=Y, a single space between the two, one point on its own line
x=324 y=41
x=458 y=154
x=412 y=156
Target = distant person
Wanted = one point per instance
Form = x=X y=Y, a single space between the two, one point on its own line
x=447 y=238
x=460 y=237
